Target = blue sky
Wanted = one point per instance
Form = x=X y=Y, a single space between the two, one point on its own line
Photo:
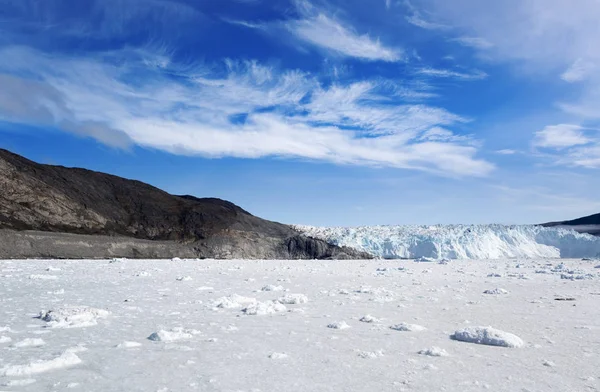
x=317 y=112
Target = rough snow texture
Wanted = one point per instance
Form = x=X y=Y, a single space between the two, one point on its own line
x=426 y=243
x=173 y=334
x=293 y=299
x=233 y=302
x=338 y=325
x=65 y=360
x=496 y=291
x=368 y=319
x=404 y=327
x=29 y=342
x=488 y=336
x=236 y=352
x=264 y=308
x=73 y=316
x=434 y=352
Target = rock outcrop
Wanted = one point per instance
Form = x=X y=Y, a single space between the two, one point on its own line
x=54 y=211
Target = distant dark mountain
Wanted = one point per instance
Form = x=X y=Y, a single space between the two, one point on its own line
x=587 y=224
x=112 y=216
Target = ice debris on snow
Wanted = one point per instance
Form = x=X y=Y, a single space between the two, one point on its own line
x=19 y=383
x=233 y=301
x=43 y=277
x=434 y=352
x=293 y=299
x=173 y=334
x=73 y=316
x=278 y=356
x=5 y=339
x=404 y=327
x=370 y=354
x=338 y=325
x=496 y=291
x=264 y=308
x=128 y=344
x=488 y=336
x=29 y=342
x=369 y=319
x=184 y=278
x=271 y=287
x=65 y=360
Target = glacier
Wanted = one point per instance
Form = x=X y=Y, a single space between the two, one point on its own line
x=461 y=241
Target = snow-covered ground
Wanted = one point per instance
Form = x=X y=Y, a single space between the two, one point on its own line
x=461 y=241
x=377 y=325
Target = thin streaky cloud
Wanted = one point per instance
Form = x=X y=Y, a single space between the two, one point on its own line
x=329 y=34
x=445 y=73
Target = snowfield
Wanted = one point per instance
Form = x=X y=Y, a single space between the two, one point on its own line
x=376 y=325
x=460 y=241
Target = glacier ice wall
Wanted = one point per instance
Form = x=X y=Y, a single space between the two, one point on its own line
x=461 y=241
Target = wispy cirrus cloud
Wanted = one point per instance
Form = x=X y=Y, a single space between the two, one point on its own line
x=329 y=34
x=415 y=17
x=474 y=42
x=240 y=109
x=446 y=73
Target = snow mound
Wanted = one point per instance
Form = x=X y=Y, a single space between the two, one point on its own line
x=19 y=383
x=43 y=277
x=293 y=299
x=428 y=243
x=29 y=342
x=496 y=291
x=184 y=278
x=404 y=327
x=73 y=316
x=338 y=325
x=370 y=354
x=65 y=360
x=271 y=287
x=233 y=302
x=173 y=334
x=278 y=356
x=5 y=339
x=264 y=308
x=488 y=336
x=127 y=344
x=434 y=352
x=369 y=319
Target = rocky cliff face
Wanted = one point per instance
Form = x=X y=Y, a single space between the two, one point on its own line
x=96 y=208
x=588 y=224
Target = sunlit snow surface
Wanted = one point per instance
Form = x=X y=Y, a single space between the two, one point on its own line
x=461 y=241
x=377 y=325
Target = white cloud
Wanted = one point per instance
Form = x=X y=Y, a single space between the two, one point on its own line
x=445 y=73
x=560 y=136
x=329 y=34
x=578 y=71
x=243 y=109
x=416 y=18
x=243 y=23
x=506 y=151
x=474 y=42
x=570 y=145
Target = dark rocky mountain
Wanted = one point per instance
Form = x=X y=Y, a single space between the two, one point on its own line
x=588 y=224
x=54 y=211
